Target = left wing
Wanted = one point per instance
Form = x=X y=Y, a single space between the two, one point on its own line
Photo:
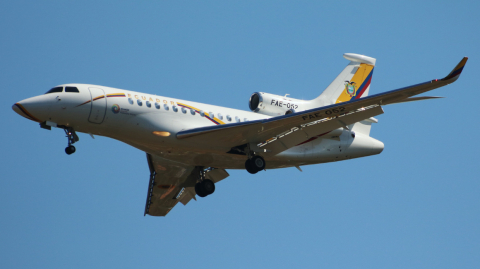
x=258 y=131
x=411 y=99
x=172 y=182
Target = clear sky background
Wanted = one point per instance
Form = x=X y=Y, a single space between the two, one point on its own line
x=416 y=205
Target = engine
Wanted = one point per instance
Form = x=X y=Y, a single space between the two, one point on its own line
x=274 y=105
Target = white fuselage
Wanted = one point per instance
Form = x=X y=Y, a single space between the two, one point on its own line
x=150 y=123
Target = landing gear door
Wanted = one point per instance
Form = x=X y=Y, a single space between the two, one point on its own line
x=99 y=105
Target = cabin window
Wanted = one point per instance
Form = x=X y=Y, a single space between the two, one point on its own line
x=56 y=89
x=166 y=107
x=211 y=115
x=202 y=113
x=229 y=118
x=71 y=89
x=192 y=111
x=220 y=116
x=149 y=104
x=245 y=119
x=174 y=108
x=237 y=119
x=139 y=102
x=157 y=105
x=184 y=110
x=130 y=100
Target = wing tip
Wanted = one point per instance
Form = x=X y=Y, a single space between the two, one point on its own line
x=457 y=70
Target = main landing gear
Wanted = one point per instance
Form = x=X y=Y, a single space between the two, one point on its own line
x=72 y=138
x=204 y=187
x=255 y=164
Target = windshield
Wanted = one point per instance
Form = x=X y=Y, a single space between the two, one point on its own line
x=71 y=89
x=56 y=89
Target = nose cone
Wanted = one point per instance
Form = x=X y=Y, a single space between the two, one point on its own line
x=22 y=111
x=35 y=108
x=16 y=108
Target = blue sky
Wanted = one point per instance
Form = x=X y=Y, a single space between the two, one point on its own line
x=415 y=205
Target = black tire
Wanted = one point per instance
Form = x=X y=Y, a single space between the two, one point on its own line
x=208 y=186
x=70 y=149
x=258 y=163
x=199 y=190
x=250 y=167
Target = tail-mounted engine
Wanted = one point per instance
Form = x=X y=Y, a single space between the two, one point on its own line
x=274 y=105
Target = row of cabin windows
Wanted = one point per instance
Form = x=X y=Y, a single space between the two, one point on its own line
x=60 y=89
x=184 y=110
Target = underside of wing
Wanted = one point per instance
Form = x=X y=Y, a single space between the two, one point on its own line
x=259 y=131
x=172 y=182
x=167 y=179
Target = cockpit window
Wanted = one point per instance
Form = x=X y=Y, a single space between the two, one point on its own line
x=56 y=89
x=71 y=89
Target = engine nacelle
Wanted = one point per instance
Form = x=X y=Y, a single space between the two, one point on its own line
x=274 y=105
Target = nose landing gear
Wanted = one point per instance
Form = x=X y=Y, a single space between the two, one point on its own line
x=72 y=138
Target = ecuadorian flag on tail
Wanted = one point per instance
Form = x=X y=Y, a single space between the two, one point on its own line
x=357 y=85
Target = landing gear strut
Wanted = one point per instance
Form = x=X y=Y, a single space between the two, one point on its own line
x=72 y=138
x=204 y=187
x=255 y=164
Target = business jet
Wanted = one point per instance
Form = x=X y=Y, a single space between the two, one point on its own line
x=190 y=145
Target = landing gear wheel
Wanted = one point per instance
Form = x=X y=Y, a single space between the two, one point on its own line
x=250 y=167
x=204 y=188
x=70 y=149
x=258 y=162
x=208 y=186
x=199 y=190
x=72 y=138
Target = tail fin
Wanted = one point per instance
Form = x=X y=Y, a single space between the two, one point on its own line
x=352 y=83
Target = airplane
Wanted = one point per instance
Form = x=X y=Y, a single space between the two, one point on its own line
x=190 y=145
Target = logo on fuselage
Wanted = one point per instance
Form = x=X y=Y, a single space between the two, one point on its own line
x=115 y=108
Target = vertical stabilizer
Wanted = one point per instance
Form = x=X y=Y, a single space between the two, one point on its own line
x=352 y=83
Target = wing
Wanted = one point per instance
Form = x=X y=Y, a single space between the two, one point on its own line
x=411 y=99
x=261 y=131
x=172 y=182
x=306 y=132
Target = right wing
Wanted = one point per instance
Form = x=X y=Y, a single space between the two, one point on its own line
x=255 y=132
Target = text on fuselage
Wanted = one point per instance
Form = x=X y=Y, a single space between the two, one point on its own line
x=150 y=99
x=282 y=104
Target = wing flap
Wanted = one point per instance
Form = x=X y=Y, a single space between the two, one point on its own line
x=189 y=194
x=216 y=175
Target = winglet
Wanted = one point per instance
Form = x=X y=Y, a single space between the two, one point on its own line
x=457 y=70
